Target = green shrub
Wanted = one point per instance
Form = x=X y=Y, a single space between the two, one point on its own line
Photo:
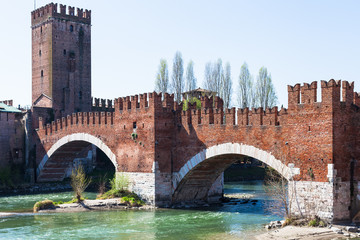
x=46 y=204
x=314 y=222
x=120 y=182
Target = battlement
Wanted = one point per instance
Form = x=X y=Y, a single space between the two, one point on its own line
x=102 y=105
x=85 y=119
x=51 y=10
x=330 y=93
x=7 y=102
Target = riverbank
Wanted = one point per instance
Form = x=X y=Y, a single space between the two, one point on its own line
x=306 y=233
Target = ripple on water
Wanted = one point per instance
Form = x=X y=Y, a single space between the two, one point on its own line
x=221 y=222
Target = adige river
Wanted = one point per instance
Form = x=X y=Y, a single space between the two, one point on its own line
x=227 y=221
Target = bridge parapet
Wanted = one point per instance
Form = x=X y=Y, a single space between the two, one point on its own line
x=102 y=105
x=95 y=119
x=330 y=93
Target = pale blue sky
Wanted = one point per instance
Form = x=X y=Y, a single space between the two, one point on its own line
x=298 y=41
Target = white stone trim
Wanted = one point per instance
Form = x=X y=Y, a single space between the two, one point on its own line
x=77 y=137
x=235 y=148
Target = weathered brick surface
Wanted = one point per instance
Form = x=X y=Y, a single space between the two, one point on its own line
x=61 y=59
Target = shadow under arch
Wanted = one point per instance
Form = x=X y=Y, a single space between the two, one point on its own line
x=198 y=174
x=81 y=140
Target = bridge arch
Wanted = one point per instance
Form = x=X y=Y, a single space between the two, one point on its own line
x=77 y=137
x=228 y=151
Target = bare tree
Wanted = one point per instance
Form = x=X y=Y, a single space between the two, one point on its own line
x=280 y=190
x=190 y=78
x=246 y=92
x=264 y=90
x=213 y=74
x=226 y=84
x=79 y=182
x=162 y=77
x=177 y=76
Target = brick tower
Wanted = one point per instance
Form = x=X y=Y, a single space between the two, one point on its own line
x=61 y=59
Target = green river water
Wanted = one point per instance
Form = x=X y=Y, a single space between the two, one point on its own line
x=229 y=221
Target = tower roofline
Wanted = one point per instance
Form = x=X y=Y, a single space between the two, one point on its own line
x=51 y=10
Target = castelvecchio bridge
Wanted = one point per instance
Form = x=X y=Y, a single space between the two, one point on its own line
x=172 y=155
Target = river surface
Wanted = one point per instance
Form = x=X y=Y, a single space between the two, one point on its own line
x=228 y=221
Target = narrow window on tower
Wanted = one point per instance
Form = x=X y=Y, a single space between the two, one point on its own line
x=71 y=28
x=40 y=29
x=64 y=52
x=80 y=95
x=42 y=73
x=40 y=53
x=134 y=125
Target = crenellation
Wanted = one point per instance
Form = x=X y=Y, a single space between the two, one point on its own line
x=102 y=118
x=168 y=101
x=347 y=92
x=80 y=118
x=330 y=91
x=62 y=9
x=270 y=117
x=97 y=120
x=218 y=116
x=243 y=116
x=230 y=116
x=293 y=95
x=196 y=117
x=71 y=11
x=91 y=118
x=51 y=10
x=219 y=103
x=309 y=93
x=206 y=102
x=64 y=122
x=356 y=99
x=85 y=118
x=256 y=116
x=58 y=125
x=143 y=101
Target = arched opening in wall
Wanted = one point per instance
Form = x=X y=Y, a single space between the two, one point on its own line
x=64 y=158
x=236 y=183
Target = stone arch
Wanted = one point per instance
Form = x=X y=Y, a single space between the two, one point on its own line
x=77 y=137
x=230 y=149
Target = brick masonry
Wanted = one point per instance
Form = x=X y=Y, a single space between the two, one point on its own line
x=171 y=155
x=189 y=150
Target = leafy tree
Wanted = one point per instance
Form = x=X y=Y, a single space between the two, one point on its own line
x=226 y=84
x=177 y=76
x=190 y=78
x=264 y=91
x=245 y=93
x=162 y=77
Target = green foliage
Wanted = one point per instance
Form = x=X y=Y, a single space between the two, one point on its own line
x=192 y=101
x=311 y=173
x=288 y=221
x=79 y=182
x=46 y=204
x=118 y=189
x=315 y=222
x=134 y=136
x=120 y=182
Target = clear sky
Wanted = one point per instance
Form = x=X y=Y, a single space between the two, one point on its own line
x=298 y=41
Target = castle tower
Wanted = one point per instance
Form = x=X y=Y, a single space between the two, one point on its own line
x=61 y=59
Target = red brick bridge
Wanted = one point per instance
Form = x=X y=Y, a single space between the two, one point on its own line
x=172 y=155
